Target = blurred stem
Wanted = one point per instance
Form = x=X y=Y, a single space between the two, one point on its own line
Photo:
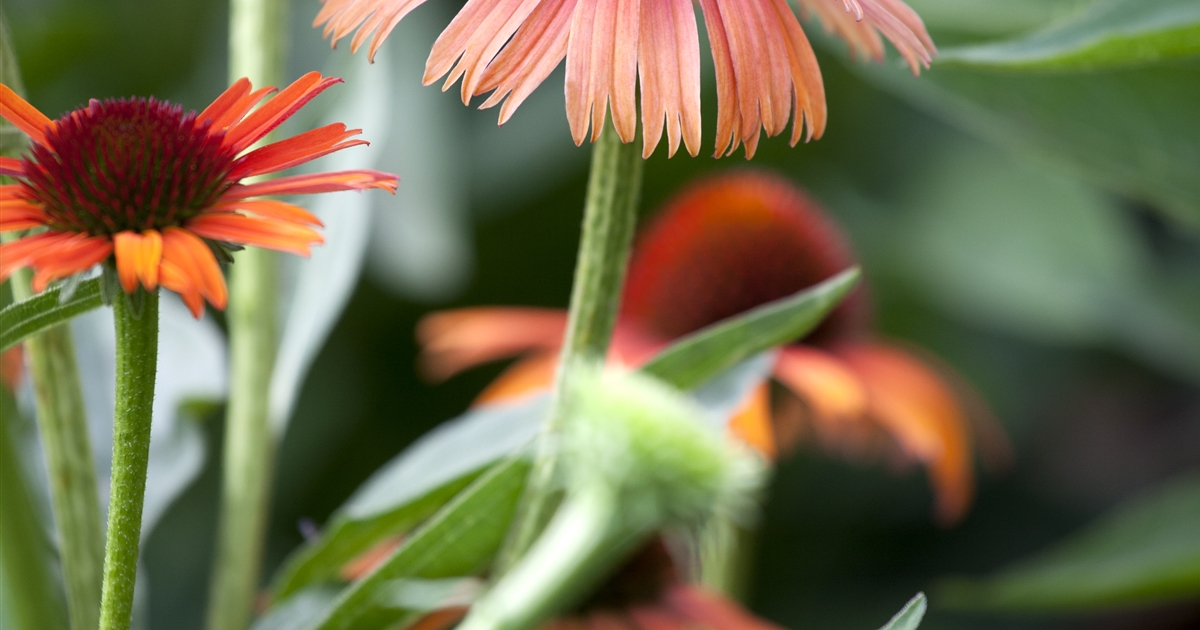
x=726 y=554
x=62 y=422
x=609 y=219
x=137 y=364
x=25 y=553
x=257 y=47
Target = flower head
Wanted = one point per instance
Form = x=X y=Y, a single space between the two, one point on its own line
x=162 y=191
x=766 y=70
x=721 y=247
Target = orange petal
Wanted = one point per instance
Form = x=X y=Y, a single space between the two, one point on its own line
x=453 y=341
x=534 y=52
x=712 y=610
x=296 y=150
x=526 y=376
x=440 y=619
x=172 y=277
x=921 y=413
x=654 y=617
x=76 y=254
x=669 y=67
x=828 y=385
x=281 y=107
x=267 y=233
x=17 y=214
x=271 y=209
x=12 y=167
x=472 y=40
x=24 y=116
x=315 y=183
x=602 y=67
x=752 y=424
x=370 y=559
x=225 y=101
x=193 y=257
x=126 y=249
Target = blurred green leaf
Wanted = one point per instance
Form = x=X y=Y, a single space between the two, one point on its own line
x=44 y=310
x=1146 y=551
x=1132 y=131
x=1114 y=33
x=909 y=617
x=709 y=351
x=299 y=611
x=993 y=17
x=460 y=540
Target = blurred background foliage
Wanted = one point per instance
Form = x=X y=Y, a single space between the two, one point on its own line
x=1029 y=215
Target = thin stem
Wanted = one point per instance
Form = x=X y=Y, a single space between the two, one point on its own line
x=609 y=219
x=62 y=423
x=257 y=51
x=137 y=363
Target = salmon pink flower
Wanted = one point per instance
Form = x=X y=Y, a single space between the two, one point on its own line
x=766 y=70
x=159 y=191
x=724 y=246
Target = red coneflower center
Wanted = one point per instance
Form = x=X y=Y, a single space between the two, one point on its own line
x=127 y=164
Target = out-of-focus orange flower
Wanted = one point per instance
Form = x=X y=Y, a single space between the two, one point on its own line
x=766 y=70
x=159 y=189
x=721 y=247
x=12 y=367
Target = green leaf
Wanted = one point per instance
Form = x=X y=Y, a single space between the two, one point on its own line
x=460 y=540
x=703 y=354
x=909 y=617
x=1133 y=131
x=1145 y=552
x=1115 y=33
x=42 y=311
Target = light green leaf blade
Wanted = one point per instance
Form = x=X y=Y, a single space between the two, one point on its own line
x=1112 y=33
x=1145 y=552
x=909 y=617
x=20 y=320
x=702 y=355
x=459 y=541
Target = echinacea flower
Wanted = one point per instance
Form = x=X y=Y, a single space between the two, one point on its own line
x=765 y=66
x=159 y=191
x=724 y=246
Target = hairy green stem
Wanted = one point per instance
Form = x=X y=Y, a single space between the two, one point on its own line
x=137 y=363
x=256 y=51
x=62 y=423
x=609 y=220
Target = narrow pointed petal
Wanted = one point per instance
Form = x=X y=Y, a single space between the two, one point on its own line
x=23 y=116
x=317 y=183
x=453 y=341
x=918 y=409
x=270 y=115
x=12 y=167
x=669 y=67
x=524 y=377
x=75 y=255
x=270 y=208
x=752 y=424
x=17 y=214
x=534 y=52
x=243 y=230
x=19 y=253
x=473 y=39
x=172 y=277
x=138 y=257
x=823 y=381
x=296 y=150
x=225 y=102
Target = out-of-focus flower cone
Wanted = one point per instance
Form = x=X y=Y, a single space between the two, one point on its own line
x=721 y=247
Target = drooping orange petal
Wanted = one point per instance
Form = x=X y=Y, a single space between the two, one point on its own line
x=17 y=214
x=127 y=247
x=370 y=559
x=903 y=27
x=669 y=67
x=728 y=116
x=534 y=52
x=296 y=150
x=243 y=230
x=24 y=116
x=315 y=183
x=193 y=257
x=270 y=115
x=453 y=341
x=824 y=382
x=526 y=376
x=752 y=424
x=12 y=167
x=473 y=39
x=11 y=192
x=73 y=255
x=921 y=413
x=170 y=276
x=272 y=209
x=808 y=87
x=863 y=40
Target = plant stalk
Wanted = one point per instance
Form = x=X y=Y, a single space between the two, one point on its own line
x=62 y=421
x=257 y=51
x=137 y=364
x=609 y=221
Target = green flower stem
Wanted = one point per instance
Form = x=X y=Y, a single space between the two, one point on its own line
x=25 y=551
x=257 y=51
x=137 y=363
x=609 y=220
x=62 y=423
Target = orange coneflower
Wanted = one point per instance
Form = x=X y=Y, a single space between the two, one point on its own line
x=766 y=70
x=160 y=190
x=721 y=247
